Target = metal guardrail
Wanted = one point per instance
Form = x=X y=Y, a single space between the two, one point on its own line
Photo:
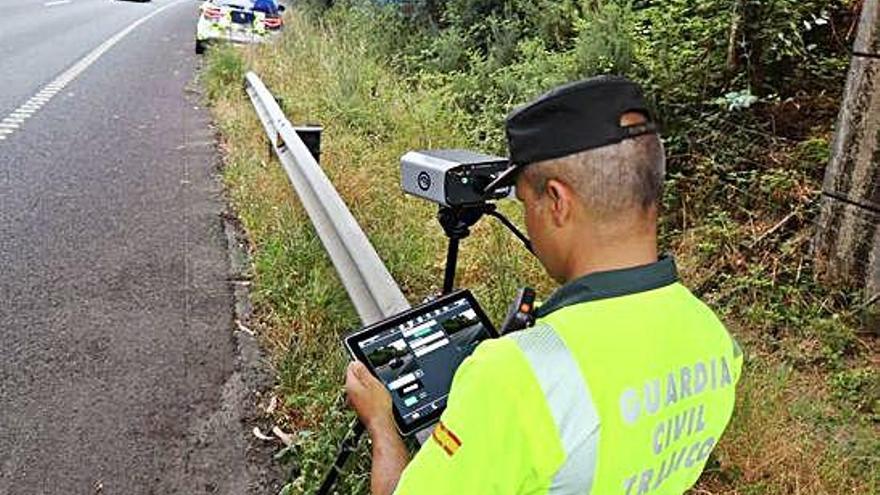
x=370 y=286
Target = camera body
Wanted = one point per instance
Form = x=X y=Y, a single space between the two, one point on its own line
x=452 y=177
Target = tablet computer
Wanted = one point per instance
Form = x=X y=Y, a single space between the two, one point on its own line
x=415 y=354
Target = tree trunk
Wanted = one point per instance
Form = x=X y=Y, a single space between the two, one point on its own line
x=734 y=37
x=848 y=240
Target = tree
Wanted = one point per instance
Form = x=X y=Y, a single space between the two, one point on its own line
x=848 y=240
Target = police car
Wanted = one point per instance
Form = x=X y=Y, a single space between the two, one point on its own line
x=237 y=21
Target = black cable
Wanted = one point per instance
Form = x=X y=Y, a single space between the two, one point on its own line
x=510 y=226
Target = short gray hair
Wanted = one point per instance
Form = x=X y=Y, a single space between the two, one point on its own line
x=610 y=180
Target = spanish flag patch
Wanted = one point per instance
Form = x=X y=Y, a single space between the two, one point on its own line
x=446 y=439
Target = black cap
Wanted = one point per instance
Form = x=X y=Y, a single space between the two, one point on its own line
x=572 y=118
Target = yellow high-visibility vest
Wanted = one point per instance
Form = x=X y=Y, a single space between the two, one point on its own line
x=623 y=387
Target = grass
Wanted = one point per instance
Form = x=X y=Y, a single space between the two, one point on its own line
x=808 y=414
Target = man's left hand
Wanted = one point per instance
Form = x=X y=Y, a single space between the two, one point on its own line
x=369 y=398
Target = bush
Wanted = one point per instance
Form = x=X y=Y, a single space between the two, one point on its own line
x=605 y=41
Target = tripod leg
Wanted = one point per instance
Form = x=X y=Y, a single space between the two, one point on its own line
x=348 y=445
x=451 y=261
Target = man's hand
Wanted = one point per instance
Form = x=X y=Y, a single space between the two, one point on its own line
x=369 y=398
x=372 y=402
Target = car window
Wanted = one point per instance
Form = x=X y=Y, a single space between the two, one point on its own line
x=241 y=4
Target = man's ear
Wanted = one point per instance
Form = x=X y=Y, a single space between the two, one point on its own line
x=561 y=201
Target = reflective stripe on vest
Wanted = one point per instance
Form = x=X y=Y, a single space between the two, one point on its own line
x=568 y=398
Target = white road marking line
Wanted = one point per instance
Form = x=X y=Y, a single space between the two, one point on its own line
x=12 y=122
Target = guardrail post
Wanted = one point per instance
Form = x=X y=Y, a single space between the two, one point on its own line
x=311 y=136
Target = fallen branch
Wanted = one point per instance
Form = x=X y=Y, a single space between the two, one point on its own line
x=772 y=230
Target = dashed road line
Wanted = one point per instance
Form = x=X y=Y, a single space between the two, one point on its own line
x=56 y=3
x=29 y=108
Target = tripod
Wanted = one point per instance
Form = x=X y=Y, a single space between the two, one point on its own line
x=456 y=222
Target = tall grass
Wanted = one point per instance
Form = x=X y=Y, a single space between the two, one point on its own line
x=802 y=424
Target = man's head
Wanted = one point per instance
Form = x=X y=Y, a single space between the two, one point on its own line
x=586 y=194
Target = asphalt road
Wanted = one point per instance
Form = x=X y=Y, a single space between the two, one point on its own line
x=119 y=370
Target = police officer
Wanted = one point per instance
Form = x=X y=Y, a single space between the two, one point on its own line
x=626 y=382
x=266 y=6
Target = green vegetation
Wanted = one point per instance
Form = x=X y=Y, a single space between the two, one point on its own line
x=748 y=92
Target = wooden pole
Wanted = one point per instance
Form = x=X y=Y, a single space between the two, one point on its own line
x=847 y=244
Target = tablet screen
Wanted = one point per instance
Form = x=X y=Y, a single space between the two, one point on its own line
x=416 y=354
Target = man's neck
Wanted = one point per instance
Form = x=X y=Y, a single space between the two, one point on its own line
x=607 y=256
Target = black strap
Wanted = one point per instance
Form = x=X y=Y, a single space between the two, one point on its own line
x=866 y=55
x=873 y=208
x=639 y=129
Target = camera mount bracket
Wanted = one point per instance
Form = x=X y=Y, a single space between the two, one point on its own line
x=457 y=222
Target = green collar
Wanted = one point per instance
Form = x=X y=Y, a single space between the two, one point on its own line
x=614 y=283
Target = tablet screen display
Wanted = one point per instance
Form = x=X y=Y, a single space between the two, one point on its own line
x=416 y=355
